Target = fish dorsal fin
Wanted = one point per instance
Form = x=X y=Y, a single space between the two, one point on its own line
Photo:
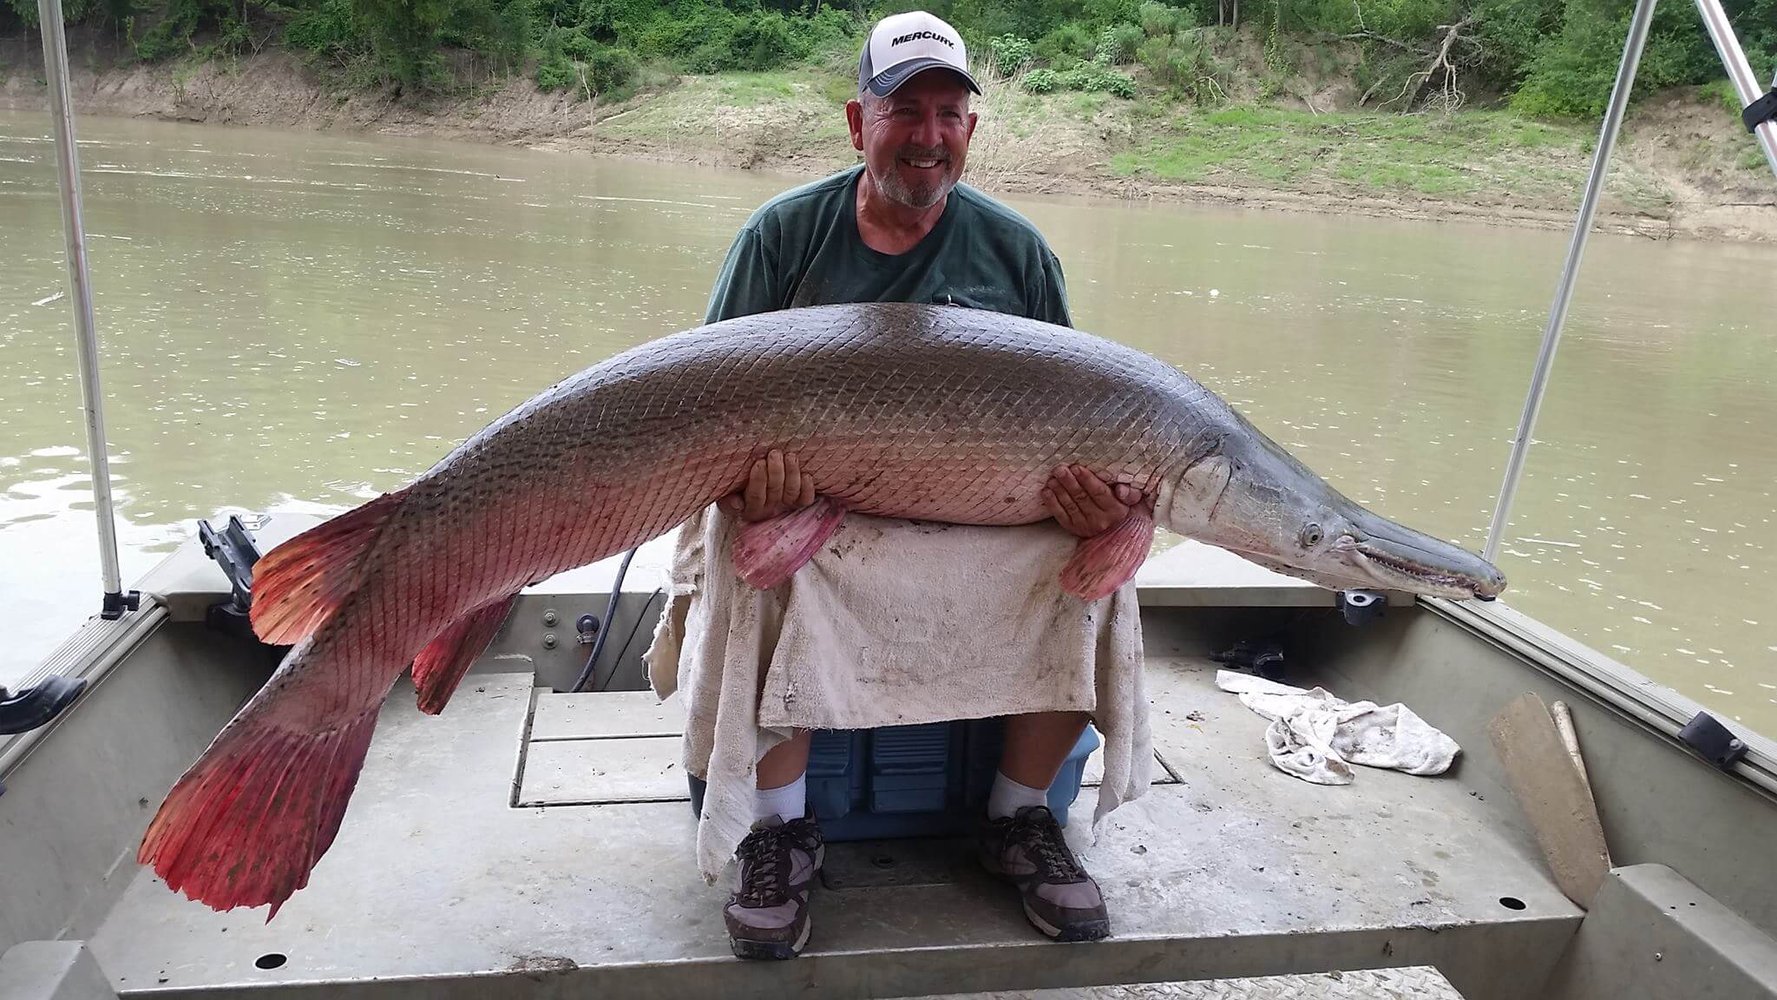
x=297 y=585
x=1108 y=560
x=766 y=553
x=441 y=665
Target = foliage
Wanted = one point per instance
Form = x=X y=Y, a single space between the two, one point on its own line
x=1096 y=76
x=1066 y=45
x=1548 y=58
x=326 y=29
x=1010 y=53
x=1159 y=20
x=1041 y=81
x=1185 y=65
x=570 y=59
x=1572 y=72
x=1116 y=44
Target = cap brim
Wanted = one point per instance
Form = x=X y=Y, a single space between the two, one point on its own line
x=889 y=80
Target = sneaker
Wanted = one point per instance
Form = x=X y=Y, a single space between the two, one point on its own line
x=1060 y=899
x=768 y=916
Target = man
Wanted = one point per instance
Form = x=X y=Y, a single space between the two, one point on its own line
x=901 y=228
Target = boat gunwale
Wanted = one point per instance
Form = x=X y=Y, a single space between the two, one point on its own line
x=1614 y=685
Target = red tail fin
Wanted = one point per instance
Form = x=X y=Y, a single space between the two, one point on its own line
x=299 y=583
x=251 y=818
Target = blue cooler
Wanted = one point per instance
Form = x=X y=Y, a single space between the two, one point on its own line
x=915 y=781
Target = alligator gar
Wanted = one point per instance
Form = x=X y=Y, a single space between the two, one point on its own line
x=932 y=413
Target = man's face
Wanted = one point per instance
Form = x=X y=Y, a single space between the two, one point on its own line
x=915 y=140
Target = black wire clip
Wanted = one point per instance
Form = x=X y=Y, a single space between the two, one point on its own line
x=1760 y=111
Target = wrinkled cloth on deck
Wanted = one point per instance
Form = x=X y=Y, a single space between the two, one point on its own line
x=1317 y=737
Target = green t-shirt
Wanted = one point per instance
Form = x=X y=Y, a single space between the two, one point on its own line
x=802 y=248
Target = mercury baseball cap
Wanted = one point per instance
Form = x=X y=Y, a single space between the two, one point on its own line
x=903 y=44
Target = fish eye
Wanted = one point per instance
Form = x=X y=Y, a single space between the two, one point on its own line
x=1311 y=535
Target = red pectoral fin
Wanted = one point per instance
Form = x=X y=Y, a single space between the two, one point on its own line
x=1104 y=562
x=441 y=665
x=766 y=553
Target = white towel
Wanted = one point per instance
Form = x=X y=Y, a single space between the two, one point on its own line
x=892 y=623
x=1317 y=737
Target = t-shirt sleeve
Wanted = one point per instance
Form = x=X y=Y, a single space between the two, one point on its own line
x=1050 y=291
x=748 y=281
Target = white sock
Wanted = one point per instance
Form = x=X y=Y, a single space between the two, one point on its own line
x=786 y=802
x=1009 y=796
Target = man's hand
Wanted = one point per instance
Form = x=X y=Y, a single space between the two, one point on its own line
x=1084 y=504
x=775 y=487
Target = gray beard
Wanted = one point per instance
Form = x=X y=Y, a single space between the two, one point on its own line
x=919 y=196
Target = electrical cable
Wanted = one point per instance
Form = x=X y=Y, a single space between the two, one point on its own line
x=586 y=672
x=641 y=617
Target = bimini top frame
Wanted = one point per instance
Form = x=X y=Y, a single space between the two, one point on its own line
x=1761 y=110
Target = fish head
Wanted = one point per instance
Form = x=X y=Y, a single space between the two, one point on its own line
x=1263 y=505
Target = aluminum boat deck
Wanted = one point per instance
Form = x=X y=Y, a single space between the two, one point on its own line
x=528 y=843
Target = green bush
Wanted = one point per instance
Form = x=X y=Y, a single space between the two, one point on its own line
x=1183 y=64
x=765 y=41
x=1066 y=45
x=1159 y=20
x=611 y=71
x=1102 y=13
x=179 y=24
x=1041 y=81
x=324 y=29
x=1094 y=76
x=555 y=73
x=1116 y=44
x=1573 y=71
x=1118 y=84
x=1010 y=53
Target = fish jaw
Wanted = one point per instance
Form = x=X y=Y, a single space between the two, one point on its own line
x=1399 y=558
x=1284 y=518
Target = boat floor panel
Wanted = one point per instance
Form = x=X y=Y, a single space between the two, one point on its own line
x=439 y=886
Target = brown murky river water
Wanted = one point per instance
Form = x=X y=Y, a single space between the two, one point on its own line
x=302 y=321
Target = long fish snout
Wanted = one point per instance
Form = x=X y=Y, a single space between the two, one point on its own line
x=1404 y=559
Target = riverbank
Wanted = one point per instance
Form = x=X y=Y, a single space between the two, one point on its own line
x=1684 y=167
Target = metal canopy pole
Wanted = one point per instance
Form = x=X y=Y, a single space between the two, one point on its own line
x=1576 y=248
x=1733 y=59
x=55 y=68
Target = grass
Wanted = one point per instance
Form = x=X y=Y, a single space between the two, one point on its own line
x=746 y=90
x=1431 y=155
x=760 y=116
